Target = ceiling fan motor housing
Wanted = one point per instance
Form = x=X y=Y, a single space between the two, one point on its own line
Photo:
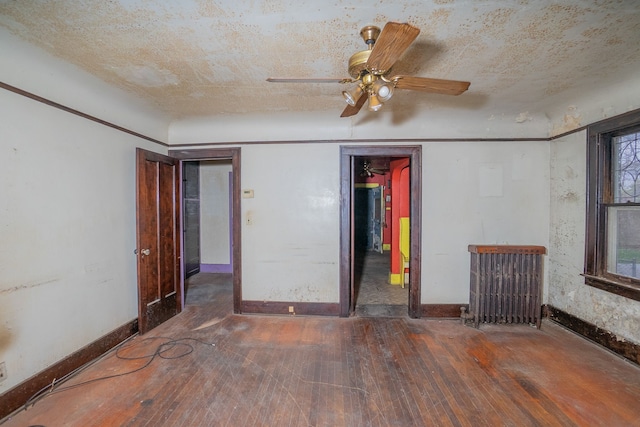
x=358 y=61
x=370 y=34
x=358 y=64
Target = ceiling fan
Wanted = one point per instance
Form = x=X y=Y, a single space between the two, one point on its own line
x=370 y=69
x=369 y=170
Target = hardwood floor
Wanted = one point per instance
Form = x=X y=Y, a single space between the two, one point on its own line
x=360 y=371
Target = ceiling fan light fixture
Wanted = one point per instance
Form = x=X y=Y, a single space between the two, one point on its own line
x=352 y=96
x=374 y=102
x=370 y=70
x=383 y=90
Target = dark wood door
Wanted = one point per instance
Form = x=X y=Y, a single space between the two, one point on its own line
x=191 y=217
x=158 y=239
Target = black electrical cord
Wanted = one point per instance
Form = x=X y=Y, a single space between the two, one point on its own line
x=163 y=351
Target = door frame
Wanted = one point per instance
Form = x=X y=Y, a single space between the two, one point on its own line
x=347 y=155
x=232 y=153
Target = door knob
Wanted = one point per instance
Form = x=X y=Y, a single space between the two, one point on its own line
x=146 y=252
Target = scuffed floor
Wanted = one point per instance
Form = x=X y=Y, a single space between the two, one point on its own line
x=208 y=367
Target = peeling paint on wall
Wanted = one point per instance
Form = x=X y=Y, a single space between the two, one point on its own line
x=567 y=290
x=571 y=121
x=523 y=117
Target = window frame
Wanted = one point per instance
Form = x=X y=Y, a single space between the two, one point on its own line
x=599 y=197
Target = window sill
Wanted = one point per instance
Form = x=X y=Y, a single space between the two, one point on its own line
x=614 y=286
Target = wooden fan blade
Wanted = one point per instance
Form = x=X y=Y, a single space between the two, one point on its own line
x=275 y=80
x=424 y=84
x=394 y=39
x=352 y=110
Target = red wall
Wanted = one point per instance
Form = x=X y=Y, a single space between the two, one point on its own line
x=400 y=204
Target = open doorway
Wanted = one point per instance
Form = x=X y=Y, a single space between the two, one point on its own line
x=161 y=259
x=381 y=245
x=213 y=263
x=207 y=224
x=368 y=268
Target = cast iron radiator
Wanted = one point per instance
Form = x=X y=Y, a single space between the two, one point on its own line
x=506 y=284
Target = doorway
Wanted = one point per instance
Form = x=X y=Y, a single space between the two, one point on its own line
x=378 y=276
x=368 y=268
x=220 y=161
x=207 y=223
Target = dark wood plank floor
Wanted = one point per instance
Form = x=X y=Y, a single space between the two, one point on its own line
x=314 y=371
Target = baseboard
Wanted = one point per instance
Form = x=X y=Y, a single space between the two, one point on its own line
x=16 y=397
x=216 y=268
x=443 y=310
x=301 y=308
x=609 y=340
x=333 y=309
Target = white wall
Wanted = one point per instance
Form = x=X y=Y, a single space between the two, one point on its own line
x=473 y=193
x=290 y=249
x=67 y=216
x=445 y=123
x=214 y=212
x=67 y=233
x=567 y=290
x=478 y=193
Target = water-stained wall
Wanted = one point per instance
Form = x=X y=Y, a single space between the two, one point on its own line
x=567 y=290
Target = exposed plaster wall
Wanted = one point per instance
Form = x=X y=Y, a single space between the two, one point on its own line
x=67 y=227
x=567 y=290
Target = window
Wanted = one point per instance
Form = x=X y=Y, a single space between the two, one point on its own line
x=612 y=256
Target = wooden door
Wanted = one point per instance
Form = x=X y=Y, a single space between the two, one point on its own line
x=191 y=217
x=158 y=239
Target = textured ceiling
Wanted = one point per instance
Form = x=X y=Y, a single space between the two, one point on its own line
x=193 y=58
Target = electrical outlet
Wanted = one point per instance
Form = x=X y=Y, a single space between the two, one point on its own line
x=291 y=309
x=3 y=371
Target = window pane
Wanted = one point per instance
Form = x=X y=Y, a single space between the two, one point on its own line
x=623 y=240
x=626 y=168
